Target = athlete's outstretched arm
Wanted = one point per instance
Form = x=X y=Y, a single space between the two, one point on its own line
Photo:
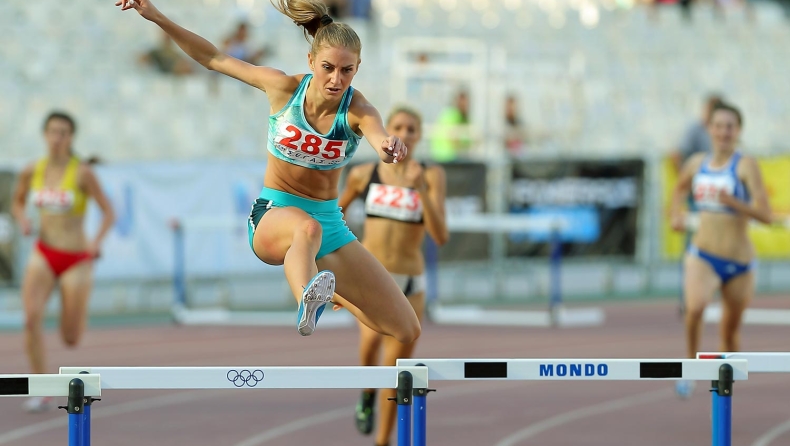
x=203 y=51
x=390 y=148
x=433 y=204
x=681 y=191
x=92 y=187
x=759 y=209
x=20 y=198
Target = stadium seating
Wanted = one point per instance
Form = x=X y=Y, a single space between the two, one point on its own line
x=596 y=77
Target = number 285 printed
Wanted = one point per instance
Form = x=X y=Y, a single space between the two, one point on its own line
x=295 y=139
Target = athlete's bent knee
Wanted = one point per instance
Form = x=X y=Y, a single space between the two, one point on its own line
x=311 y=228
x=408 y=333
x=71 y=338
x=34 y=322
x=694 y=312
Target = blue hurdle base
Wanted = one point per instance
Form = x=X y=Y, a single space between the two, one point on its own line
x=721 y=408
x=76 y=411
x=404 y=396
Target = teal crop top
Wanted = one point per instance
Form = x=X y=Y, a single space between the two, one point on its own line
x=293 y=140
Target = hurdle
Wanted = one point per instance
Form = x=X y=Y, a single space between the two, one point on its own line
x=411 y=378
x=751 y=316
x=759 y=362
x=555 y=315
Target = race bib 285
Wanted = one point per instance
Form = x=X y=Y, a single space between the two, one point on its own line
x=301 y=145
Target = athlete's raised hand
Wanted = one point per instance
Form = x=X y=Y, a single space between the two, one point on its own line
x=678 y=222
x=144 y=7
x=26 y=226
x=394 y=147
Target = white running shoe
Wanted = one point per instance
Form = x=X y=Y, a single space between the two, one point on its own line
x=318 y=292
x=38 y=404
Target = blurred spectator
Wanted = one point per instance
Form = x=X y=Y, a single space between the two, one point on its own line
x=696 y=138
x=167 y=58
x=451 y=135
x=338 y=9
x=94 y=160
x=237 y=45
x=515 y=130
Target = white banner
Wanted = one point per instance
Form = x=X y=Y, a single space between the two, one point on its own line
x=148 y=196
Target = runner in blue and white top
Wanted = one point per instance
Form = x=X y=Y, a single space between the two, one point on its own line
x=316 y=123
x=728 y=192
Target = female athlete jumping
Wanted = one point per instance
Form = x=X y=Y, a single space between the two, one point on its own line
x=61 y=185
x=402 y=202
x=728 y=192
x=315 y=126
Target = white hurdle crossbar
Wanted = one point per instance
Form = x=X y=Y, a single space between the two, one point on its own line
x=759 y=362
x=577 y=369
x=258 y=377
x=751 y=316
x=422 y=370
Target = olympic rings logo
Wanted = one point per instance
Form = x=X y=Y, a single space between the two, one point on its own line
x=245 y=377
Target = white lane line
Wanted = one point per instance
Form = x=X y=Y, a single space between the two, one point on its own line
x=348 y=412
x=578 y=414
x=776 y=432
x=109 y=411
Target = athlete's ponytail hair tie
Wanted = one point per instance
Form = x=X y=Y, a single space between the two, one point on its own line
x=313 y=16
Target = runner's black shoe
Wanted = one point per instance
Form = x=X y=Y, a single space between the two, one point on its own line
x=365 y=412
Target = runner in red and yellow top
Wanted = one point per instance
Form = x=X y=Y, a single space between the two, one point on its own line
x=58 y=186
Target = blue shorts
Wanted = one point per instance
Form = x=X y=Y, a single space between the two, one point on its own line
x=726 y=269
x=335 y=233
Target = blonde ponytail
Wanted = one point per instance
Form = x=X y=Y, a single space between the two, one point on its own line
x=313 y=16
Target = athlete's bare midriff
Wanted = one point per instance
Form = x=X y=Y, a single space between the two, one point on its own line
x=300 y=181
x=64 y=232
x=397 y=245
x=724 y=236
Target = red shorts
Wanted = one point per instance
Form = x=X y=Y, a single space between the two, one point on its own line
x=60 y=261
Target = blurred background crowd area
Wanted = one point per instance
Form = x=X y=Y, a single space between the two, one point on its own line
x=574 y=109
x=507 y=78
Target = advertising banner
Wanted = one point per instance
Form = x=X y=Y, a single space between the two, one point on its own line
x=7 y=229
x=148 y=196
x=596 y=201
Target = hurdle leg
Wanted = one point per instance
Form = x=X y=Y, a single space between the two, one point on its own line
x=722 y=407
x=420 y=417
x=404 y=400
x=555 y=293
x=86 y=427
x=714 y=420
x=76 y=409
x=179 y=271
